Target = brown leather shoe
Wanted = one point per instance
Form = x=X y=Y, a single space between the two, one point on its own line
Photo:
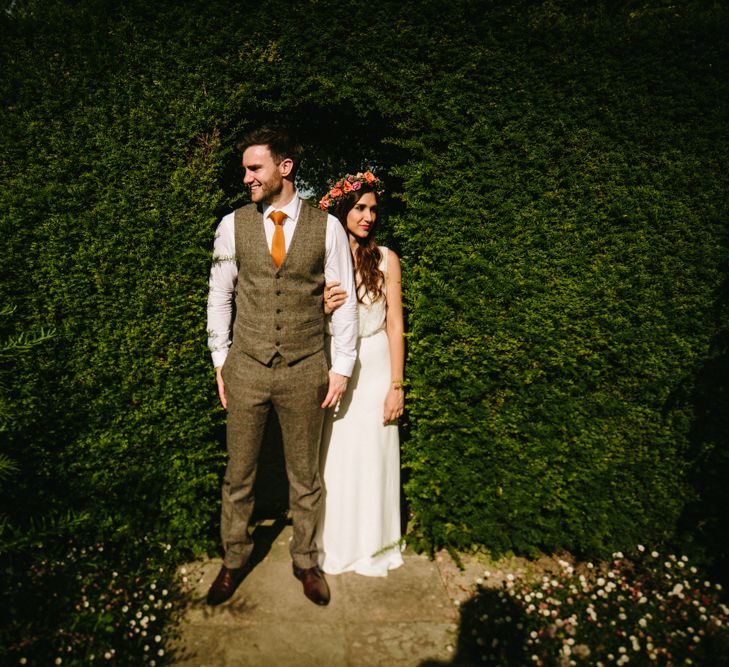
x=315 y=586
x=225 y=583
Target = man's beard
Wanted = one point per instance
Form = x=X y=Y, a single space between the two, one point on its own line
x=269 y=190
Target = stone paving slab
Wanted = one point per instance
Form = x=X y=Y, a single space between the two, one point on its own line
x=398 y=643
x=403 y=620
x=261 y=644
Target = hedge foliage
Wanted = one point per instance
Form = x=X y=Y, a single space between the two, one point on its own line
x=558 y=198
x=566 y=239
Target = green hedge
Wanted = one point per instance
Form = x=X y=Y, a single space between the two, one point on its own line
x=557 y=198
x=566 y=238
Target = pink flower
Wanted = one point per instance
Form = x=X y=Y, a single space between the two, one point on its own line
x=356 y=185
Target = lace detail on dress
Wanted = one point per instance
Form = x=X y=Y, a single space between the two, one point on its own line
x=372 y=314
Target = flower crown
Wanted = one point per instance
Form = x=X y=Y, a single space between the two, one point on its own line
x=339 y=189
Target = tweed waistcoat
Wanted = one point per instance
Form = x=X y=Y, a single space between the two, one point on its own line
x=279 y=310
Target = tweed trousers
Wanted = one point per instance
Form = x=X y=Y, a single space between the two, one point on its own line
x=296 y=392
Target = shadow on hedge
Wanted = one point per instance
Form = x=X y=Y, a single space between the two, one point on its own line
x=705 y=523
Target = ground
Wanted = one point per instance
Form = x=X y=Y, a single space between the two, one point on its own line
x=407 y=619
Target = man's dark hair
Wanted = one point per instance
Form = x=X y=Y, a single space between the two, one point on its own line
x=280 y=141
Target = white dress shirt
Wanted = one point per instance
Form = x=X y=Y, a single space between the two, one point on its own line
x=337 y=268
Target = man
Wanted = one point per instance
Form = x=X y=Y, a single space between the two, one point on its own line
x=272 y=259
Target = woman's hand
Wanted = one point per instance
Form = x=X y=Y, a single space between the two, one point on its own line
x=334 y=296
x=394 y=403
x=221 y=386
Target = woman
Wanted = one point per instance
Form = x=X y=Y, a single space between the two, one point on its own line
x=360 y=528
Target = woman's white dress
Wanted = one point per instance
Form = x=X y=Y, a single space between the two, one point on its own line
x=360 y=527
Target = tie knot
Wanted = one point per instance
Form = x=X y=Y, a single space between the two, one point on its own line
x=278 y=217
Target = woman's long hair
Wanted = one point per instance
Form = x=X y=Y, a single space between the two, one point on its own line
x=367 y=256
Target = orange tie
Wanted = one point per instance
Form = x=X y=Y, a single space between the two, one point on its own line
x=278 y=246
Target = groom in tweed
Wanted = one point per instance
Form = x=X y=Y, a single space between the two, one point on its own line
x=272 y=259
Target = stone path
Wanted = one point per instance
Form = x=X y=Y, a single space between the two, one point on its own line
x=406 y=619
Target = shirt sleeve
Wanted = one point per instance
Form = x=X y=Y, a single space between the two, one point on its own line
x=221 y=292
x=345 y=321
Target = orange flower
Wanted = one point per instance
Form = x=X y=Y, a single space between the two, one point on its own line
x=349 y=183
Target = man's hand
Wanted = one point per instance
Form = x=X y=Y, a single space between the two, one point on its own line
x=221 y=386
x=337 y=387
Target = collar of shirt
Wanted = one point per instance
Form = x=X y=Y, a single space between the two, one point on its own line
x=291 y=209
